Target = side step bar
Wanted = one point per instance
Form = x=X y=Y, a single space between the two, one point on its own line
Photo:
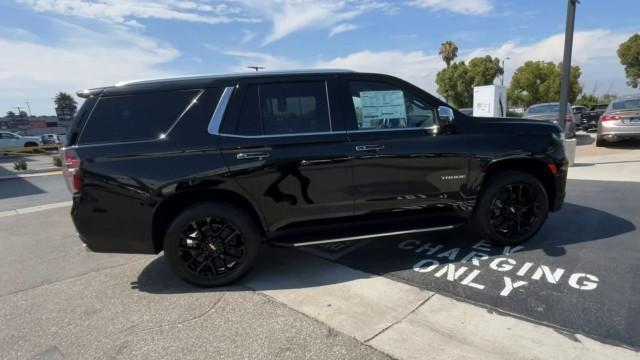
x=369 y=236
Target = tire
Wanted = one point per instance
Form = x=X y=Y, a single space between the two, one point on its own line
x=211 y=244
x=600 y=142
x=503 y=218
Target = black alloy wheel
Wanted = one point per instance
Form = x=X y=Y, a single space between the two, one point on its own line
x=211 y=247
x=511 y=209
x=515 y=209
x=211 y=244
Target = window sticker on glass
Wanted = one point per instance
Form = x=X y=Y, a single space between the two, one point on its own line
x=383 y=109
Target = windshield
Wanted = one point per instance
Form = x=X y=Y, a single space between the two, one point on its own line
x=544 y=109
x=626 y=104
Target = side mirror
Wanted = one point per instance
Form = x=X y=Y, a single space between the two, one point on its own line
x=445 y=116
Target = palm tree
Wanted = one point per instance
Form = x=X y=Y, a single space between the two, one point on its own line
x=65 y=101
x=448 y=52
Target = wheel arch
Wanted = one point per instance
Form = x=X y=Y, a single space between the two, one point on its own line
x=535 y=167
x=173 y=205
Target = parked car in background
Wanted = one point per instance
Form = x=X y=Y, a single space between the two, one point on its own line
x=62 y=139
x=621 y=120
x=466 y=111
x=207 y=168
x=589 y=119
x=10 y=140
x=551 y=112
x=49 y=139
x=578 y=110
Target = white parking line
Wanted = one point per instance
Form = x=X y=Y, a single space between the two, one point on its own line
x=20 y=176
x=34 y=209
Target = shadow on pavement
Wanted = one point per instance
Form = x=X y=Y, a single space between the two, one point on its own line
x=289 y=269
x=584 y=139
x=12 y=188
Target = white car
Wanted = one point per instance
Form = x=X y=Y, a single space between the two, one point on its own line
x=10 y=140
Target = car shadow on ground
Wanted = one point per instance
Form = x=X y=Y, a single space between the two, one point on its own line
x=278 y=268
x=625 y=144
x=584 y=139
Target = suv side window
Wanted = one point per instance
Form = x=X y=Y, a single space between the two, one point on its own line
x=136 y=116
x=294 y=108
x=383 y=106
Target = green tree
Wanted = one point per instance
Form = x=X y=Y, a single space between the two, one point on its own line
x=66 y=102
x=10 y=114
x=539 y=82
x=629 y=54
x=607 y=98
x=587 y=100
x=456 y=82
x=448 y=52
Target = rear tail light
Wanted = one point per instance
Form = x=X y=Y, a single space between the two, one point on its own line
x=609 y=117
x=71 y=170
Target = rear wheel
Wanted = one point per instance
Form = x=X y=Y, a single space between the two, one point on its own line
x=512 y=208
x=211 y=244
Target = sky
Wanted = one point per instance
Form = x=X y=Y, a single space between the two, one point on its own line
x=47 y=46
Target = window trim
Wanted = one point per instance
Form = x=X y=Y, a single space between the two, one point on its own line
x=216 y=119
x=316 y=133
x=399 y=86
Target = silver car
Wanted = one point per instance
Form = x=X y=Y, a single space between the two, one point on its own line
x=551 y=112
x=620 y=121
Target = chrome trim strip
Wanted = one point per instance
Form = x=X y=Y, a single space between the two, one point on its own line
x=326 y=92
x=362 y=237
x=434 y=127
x=282 y=135
x=223 y=76
x=177 y=120
x=216 y=119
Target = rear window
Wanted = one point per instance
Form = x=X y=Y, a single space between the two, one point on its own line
x=135 y=117
x=544 y=109
x=626 y=104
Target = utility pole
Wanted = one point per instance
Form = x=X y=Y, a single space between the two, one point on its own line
x=29 y=107
x=503 y=71
x=256 y=68
x=566 y=62
x=19 y=109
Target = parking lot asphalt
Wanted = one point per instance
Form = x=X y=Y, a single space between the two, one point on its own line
x=580 y=273
x=59 y=301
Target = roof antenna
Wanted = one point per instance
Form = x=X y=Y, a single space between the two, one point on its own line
x=256 y=68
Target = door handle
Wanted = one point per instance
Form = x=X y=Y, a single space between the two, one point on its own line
x=252 y=155
x=369 y=147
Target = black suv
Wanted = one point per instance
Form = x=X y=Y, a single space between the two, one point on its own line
x=206 y=168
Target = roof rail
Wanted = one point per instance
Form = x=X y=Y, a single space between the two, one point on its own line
x=222 y=76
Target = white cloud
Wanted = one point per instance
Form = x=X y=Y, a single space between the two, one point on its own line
x=469 y=7
x=594 y=52
x=247 y=36
x=36 y=71
x=269 y=62
x=289 y=16
x=125 y=12
x=340 y=28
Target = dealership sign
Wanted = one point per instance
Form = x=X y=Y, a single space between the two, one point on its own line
x=464 y=267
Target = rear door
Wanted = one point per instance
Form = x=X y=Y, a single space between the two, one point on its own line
x=401 y=159
x=286 y=146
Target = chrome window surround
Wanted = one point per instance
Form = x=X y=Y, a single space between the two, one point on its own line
x=218 y=114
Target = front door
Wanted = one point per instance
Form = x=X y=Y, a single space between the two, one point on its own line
x=401 y=158
x=286 y=149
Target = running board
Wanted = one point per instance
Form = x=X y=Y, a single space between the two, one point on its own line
x=369 y=236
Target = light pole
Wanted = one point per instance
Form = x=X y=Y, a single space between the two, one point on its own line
x=566 y=62
x=503 y=72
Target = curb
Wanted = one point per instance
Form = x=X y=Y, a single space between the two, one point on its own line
x=43 y=172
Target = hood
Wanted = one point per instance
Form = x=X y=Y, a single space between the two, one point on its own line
x=517 y=126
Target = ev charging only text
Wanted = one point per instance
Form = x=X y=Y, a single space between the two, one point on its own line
x=466 y=270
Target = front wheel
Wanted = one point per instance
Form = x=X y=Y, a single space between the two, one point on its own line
x=512 y=208
x=211 y=244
